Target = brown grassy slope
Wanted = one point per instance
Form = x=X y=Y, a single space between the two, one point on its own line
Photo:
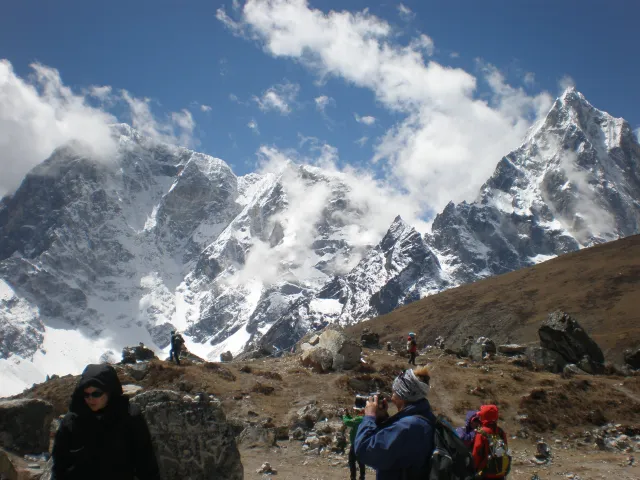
x=599 y=285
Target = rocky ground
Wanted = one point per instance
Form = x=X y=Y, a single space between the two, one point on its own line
x=589 y=424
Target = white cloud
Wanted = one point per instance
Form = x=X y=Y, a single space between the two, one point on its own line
x=253 y=125
x=101 y=93
x=449 y=140
x=278 y=98
x=405 y=12
x=367 y=119
x=529 y=79
x=372 y=207
x=177 y=129
x=235 y=27
x=638 y=133
x=423 y=43
x=205 y=108
x=566 y=82
x=323 y=101
x=454 y=55
x=362 y=141
x=40 y=115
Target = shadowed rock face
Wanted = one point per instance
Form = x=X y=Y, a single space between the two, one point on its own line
x=563 y=334
x=191 y=437
x=25 y=425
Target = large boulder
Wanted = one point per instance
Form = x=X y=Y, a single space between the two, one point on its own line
x=564 y=335
x=346 y=352
x=482 y=347
x=226 y=357
x=318 y=358
x=139 y=353
x=191 y=437
x=632 y=358
x=545 y=359
x=369 y=338
x=25 y=425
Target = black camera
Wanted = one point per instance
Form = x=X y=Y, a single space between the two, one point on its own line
x=361 y=400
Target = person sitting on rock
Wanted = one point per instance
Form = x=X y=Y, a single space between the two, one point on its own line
x=177 y=342
x=400 y=447
x=353 y=423
x=102 y=437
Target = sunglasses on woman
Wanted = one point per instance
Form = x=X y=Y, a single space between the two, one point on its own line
x=94 y=394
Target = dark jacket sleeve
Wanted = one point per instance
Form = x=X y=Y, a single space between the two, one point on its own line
x=146 y=464
x=60 y=453
x=383 y=448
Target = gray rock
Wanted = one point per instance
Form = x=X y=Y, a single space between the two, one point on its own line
x=192 y=439
x=131 y=390
x=563 y=334
x=314 y=340
x=257 y=436
x=139 y=353
x=369 y=338
x=512 y=349
x=632 y=357
x=138 y=371
x=318 y=358
x=570 y=370
x=545 y=359
x=25 y=425
x=226 y=357
x=346 y=352
x=482 y=347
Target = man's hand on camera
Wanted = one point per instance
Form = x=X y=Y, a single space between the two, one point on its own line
x=372 y=406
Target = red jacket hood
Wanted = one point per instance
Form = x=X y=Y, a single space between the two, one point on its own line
x=488 y=414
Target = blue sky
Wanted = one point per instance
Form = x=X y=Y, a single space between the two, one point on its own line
x=198 y=54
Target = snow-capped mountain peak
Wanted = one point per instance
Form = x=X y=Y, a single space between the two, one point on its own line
x=97 y=253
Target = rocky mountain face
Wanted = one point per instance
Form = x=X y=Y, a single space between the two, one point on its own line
x=98 y=255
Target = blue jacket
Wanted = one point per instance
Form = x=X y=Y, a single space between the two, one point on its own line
x=403 y=442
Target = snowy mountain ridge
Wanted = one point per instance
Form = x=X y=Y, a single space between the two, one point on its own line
x=95 y=256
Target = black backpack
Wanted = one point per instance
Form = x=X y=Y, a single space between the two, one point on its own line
x=451 y=459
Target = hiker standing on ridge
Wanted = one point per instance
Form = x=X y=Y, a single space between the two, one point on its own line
x=490 y=449
x=353 y=423
x=412 y=348
x=400 y=447
x=177 y=342
x=102 y=437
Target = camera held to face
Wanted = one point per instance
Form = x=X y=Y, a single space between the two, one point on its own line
x=361 y=400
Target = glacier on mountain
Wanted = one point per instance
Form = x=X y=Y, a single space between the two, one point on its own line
x=95 y=255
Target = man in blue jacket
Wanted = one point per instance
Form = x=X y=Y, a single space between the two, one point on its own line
x=399 y=448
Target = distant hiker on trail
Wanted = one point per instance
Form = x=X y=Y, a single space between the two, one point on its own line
x=102 y=437
x=490 y=449
x=353 y=423
x=401 y=446
x=412 y=347
x=177 y=342
x=468 y=432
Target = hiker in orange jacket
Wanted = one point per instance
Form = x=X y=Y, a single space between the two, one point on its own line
x=490 y=450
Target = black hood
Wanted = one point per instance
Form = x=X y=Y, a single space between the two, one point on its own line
x=101 y=376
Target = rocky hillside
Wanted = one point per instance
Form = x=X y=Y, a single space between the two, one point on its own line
x=600 y=285
x=95 y=256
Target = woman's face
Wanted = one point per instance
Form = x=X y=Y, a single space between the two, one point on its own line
x=95 y=398
x=397 y=401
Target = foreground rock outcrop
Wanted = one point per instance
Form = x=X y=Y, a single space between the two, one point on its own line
x=191 y=436
x=25 y=425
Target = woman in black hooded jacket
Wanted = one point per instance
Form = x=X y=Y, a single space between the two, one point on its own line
x=102 y=437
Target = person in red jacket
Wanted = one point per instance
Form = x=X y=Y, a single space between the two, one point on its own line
x=490 y=450
x=412 y=347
